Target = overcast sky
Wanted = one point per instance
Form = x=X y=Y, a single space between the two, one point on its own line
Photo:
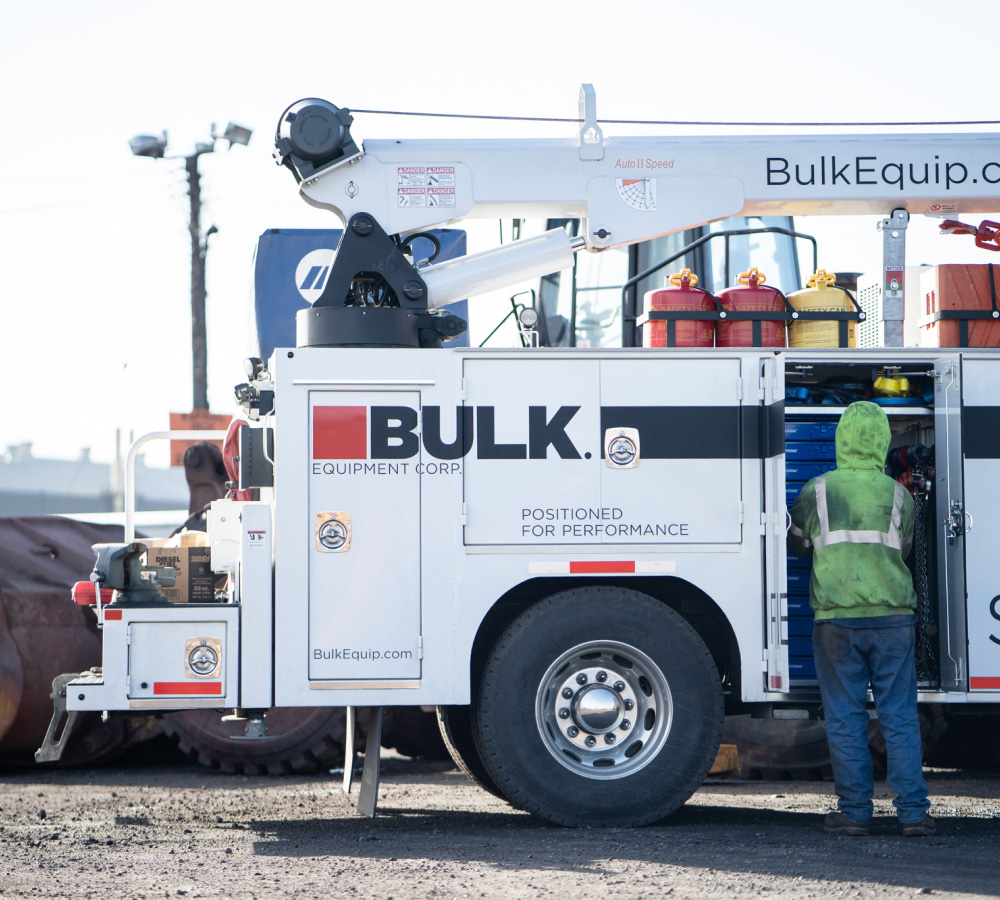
x=95 y=309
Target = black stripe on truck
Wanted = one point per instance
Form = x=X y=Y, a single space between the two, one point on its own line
x=981 y=432
x=701 y=432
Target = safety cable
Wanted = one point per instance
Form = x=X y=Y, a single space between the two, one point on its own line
x=436 y=115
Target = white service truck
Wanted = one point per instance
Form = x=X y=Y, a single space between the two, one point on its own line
x=577 y=555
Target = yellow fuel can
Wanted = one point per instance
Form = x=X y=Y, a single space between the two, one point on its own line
x=820 y=295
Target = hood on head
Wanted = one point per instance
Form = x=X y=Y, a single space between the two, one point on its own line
x=862 y=437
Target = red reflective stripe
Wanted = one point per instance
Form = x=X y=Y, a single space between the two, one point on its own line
x=112 y=614
x=985 y=684
x=590 y=568
x=187 y=687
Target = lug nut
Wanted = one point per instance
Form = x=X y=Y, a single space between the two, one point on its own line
x=619 y=686
x=609 y=739
x=564 y=713
x=629 y=704
x=591 y=740
x=581 y=678
x=567 y=693
x=602 y=676
x=572 y=731
x=625 y=725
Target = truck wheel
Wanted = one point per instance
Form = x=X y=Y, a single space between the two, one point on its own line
x=412 y=731
x=455 y=723
x=302 y=740
x=779 y=749
x=599 y=706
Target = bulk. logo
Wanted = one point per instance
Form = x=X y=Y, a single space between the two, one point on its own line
x=312 y=273
x=390 y=432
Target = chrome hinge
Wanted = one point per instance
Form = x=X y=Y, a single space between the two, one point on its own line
x=739 y=512
x=739 y=389
x=462 y=392
x=465 y=516
x=420 y=647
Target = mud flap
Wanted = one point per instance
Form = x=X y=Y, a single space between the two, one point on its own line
x=368 y=796
x=61 y=725
x=350 y=720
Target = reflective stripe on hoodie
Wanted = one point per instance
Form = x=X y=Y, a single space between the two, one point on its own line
x=825 y=538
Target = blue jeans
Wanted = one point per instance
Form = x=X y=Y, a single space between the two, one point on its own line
x=850 y=654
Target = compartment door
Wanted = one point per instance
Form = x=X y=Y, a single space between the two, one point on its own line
x=683 y=484
x=774 y=519
x=363 y=531
x=980 y=517
x=951 y=522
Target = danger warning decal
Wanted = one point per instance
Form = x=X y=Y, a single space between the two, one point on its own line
x=425 y=186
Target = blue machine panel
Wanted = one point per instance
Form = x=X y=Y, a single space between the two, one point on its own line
x=291 y=266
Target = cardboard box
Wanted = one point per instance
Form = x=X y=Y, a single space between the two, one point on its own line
x=195 y=579
x=958 y=287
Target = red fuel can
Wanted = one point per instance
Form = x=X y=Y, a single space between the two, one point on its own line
x=679 y=295
x=750 y=295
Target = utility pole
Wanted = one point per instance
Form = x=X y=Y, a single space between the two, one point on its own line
x=155 y=147
x=199 y=339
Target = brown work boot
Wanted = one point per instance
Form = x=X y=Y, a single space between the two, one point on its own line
x=838 y=823
x=924 y=828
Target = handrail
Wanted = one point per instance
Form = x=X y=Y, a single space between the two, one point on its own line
x=130 y=466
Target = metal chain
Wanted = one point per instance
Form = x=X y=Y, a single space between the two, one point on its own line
x=928 y=671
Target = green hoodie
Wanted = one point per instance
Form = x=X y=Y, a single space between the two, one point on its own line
x=858 y=524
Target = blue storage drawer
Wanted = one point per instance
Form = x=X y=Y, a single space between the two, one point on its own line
x=800 y=645
x=798 y=581
x=792 y=491
x=800 y=626
x=802 y=471
x=801 y=668
x=798 y=605
x=810 y=429
x=799 y=562
x=797 y=451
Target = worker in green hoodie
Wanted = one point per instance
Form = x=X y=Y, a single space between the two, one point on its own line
x=858 y=525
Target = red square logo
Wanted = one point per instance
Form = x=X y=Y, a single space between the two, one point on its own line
x=340 y=432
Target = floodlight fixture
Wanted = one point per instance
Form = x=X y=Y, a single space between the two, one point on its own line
x=149 y=145
x=237 y=134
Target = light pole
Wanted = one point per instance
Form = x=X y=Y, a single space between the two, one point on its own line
x=156 y=147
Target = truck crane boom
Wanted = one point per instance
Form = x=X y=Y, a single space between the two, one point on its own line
x=629 y=189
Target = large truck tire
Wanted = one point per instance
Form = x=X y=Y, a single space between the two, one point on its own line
x=413 y=731
x=600 y=707
x=301 y=740
x=455 y=724
x=780 y=749
x=44 y=634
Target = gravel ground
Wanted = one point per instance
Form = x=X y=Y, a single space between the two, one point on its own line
x=190 y=832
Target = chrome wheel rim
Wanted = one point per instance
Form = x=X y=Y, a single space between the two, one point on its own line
x=603 y=709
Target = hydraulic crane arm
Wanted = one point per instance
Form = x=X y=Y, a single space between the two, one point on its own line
x=632 y=189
